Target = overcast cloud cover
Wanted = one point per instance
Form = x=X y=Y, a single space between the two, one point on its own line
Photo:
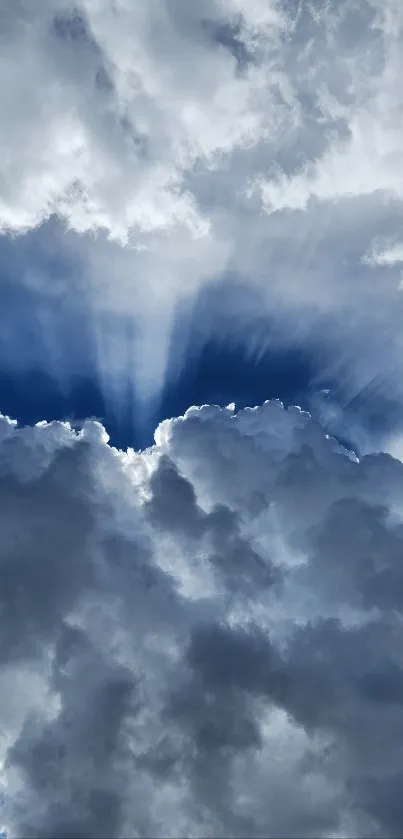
x=203 y=638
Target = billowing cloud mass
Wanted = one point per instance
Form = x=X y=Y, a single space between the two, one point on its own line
x=203 y=638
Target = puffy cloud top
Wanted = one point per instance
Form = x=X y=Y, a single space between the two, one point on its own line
x=200 y=639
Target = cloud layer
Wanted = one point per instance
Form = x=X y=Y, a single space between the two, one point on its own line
x=203 y=638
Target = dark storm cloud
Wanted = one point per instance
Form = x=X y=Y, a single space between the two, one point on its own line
x=45 y=559
x=192 y=645
x=71 y=763
x=174 y=506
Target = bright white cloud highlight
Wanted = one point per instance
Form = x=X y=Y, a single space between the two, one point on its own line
x=116 y=118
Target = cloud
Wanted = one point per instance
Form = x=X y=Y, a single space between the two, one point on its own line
x=202 y=638
x=388 y=255
x=114 y=117
x=365 y=158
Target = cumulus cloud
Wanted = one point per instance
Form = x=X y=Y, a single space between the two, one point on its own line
x=202 y=638
x=115 y=118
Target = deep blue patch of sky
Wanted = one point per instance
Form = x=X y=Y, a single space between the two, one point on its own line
x=217 y=375
x=49 y=368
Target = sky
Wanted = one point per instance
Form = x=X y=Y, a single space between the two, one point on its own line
x=201 y=433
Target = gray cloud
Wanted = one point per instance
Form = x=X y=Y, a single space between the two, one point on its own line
x=45 y=557
x=70 y=764
x=194 y=647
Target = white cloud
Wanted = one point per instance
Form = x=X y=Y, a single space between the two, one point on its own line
x=366 y=159
x=202 y=638
x=102 y=118
x=391 y=254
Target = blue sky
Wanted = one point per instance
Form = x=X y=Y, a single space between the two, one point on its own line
x=50 y=369
x=256 y=200
x=224 y=346
x=201 y=435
